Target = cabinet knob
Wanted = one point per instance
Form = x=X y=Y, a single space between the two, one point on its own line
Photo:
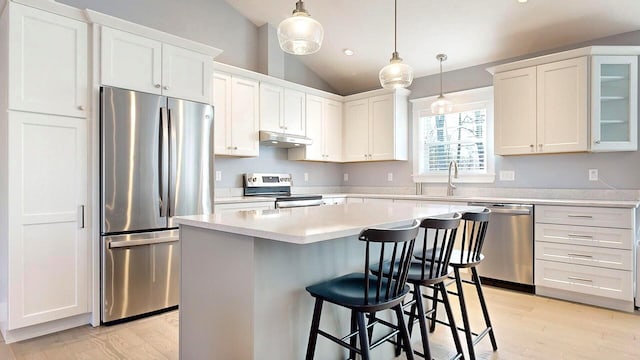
x=597 y=141
x=81 y=107
x=165 y=87
x=540 y=146
x=235 y=148
x=229 y=148
x=531 y=146
x=157 y=86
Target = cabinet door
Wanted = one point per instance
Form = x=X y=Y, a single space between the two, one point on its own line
x=48 y=243
x=381 y=128
x=131 y=62
x=356 y=131
x=185 y=74
x=294 y=112
x=244 y=116
x=222 y=113
x=48 y=62
x=562 y=106
x=271 y=107
x=315 y=125
x=332 y=130
x=614 y=103
x=515 y=111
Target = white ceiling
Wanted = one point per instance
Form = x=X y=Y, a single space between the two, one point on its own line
x=470 y=32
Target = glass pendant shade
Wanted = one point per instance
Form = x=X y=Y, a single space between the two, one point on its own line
x=441 y=106
x=396 y=74
x=300 y=34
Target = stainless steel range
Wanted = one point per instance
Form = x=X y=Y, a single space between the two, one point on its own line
x=278 y=186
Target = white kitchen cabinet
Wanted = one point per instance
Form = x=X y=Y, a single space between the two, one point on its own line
x=229 y=207
x=378 y=201
x=48 y=242
x=542 y=109
x=334 y=200
x=236 y=106
x=585 y=254
x=375 y=127
x=282 y=110
x=614 y=103
x=135 y=62
x=324 y=126
x=47 y=62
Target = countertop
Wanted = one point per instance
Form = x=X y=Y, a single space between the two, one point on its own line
x=307 y=225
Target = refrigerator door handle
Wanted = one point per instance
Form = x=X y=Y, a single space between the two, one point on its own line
x=163 y=161
x=132 y=243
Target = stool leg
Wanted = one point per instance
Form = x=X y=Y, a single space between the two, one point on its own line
x=434 y=313
x=423 y=322
x=483 y=305
x=364 y=338
x=465 y=315
x=315 y=325
x=452 y=322
x=352 y=340
x=404 y=332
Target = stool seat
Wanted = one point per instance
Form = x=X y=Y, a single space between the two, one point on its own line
x=464 y=259
x=348 y=291
x=416 y=274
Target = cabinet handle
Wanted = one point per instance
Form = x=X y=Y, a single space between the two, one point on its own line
x=165 y=87
x=229 y=147
x=540 y=146
x=81 y=212
x=81 y=107
x=580 y=255
x=580 y=216
x=579 y=279
x=157 y=86
x=597 y=141
x=580 y=236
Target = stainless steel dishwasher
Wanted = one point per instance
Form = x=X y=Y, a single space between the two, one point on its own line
x=508 y=247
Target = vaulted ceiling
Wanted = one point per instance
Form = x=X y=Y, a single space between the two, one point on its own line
x=470 y=32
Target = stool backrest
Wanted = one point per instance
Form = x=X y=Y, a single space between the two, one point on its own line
x=398 y=243
x=439 y=239
x=474 y=229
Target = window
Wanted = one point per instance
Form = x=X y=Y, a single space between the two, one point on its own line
x=464 y=136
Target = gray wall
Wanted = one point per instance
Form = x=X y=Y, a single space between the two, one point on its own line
x=275 y=160
x=617 y=169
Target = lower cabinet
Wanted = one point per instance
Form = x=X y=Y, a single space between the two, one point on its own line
x=585 y=254
x=262 y=205
x=47 y=241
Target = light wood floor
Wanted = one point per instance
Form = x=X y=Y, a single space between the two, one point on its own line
x=527 y=327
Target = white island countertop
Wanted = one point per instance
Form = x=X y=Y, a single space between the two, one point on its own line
x=308 y=225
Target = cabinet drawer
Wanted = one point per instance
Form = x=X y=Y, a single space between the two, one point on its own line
x=585 y=255
x=582 y=215
x=584 y=235
x=615 y=284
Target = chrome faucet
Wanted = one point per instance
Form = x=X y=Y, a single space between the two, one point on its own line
x=450 y=186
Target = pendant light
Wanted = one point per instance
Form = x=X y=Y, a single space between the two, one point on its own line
x=442 y=105
x=300 y=34
x=396 y=74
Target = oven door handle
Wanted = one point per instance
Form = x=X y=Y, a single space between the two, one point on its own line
x=298 y=203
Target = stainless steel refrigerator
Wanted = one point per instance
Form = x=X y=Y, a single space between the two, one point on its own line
x=156 y=163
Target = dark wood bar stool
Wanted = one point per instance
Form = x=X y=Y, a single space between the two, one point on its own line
x=469 y=255
x=365 y=293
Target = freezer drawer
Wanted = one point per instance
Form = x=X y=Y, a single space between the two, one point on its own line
x=140 y=274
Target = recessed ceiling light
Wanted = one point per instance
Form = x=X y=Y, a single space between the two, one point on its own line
x=348 y=52
x=522 y=1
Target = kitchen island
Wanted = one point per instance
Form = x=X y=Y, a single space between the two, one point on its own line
x=244 y=273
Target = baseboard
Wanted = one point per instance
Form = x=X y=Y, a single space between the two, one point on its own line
x=615 y=304
x=50 y=327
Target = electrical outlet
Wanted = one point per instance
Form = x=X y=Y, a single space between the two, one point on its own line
x=507 y=175
x=218 y=175
x=593 y=174
x=345 y=177
x=306 y=176
x=389 y=176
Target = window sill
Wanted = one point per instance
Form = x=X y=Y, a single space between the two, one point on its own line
x=462 y=178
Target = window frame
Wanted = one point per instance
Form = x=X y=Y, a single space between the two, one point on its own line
x=463 y=101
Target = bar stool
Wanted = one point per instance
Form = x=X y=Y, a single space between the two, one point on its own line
x=432 y=270
x=365 y=293
x=474 y=225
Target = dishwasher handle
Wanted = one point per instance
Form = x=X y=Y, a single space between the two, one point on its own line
x=509 y=209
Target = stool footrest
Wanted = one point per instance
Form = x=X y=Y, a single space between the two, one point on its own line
x=338 y=341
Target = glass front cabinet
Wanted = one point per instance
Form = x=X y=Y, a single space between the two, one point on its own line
x=614 y=103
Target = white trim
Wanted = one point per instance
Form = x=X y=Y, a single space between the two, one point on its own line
x=463 y=101
x=50 y=327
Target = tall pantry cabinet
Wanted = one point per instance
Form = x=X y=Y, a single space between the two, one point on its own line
x=44 y=249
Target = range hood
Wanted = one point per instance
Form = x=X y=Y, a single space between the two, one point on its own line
x=275 y=139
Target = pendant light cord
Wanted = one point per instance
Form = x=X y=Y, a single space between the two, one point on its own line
x=441 y=77
x=395 y=31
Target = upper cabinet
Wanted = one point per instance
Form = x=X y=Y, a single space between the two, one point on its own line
x=47 y=62
x=614 y=104
x=236 y=105
x=138 y=63
x=375 y=126
x=553 y=104
x=282 y=110
x=324 y=126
